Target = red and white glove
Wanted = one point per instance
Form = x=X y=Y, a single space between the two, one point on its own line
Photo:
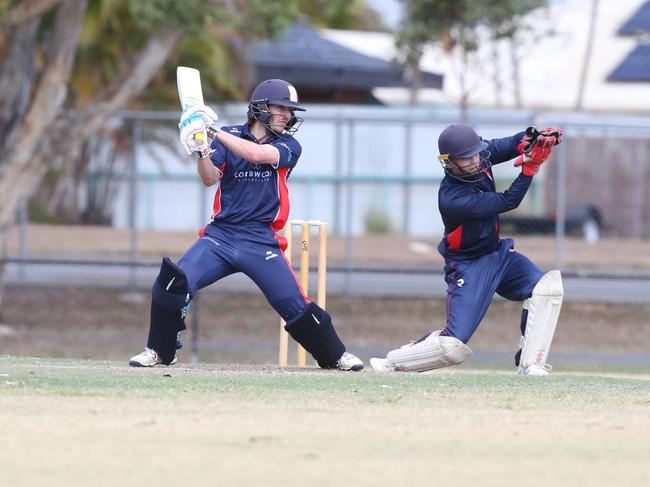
x=535 y=147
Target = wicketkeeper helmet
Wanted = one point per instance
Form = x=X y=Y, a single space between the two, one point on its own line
x=460 y=141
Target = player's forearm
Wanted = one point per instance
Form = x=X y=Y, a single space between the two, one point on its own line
x=250 y=151
x=207 y=171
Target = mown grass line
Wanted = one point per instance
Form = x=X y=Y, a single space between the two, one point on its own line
x=89 y=377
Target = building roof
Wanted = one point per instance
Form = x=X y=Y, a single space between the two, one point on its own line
x=635 y=67
x=304 y=57
x=638 y=23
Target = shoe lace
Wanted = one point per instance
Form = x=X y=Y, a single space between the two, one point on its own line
x=151 y=353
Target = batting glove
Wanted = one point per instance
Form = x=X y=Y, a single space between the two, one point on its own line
x=208 y=115
x=193 y=135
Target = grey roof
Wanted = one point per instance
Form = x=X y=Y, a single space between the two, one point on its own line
x=639 y=22
x=635 y=67
x=302 y=56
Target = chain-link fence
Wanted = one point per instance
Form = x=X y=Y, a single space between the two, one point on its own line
x=372 y=174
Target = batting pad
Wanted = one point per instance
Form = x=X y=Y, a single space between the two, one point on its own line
x=313 y=329
x=169 y=303
x=433 y=352
x=543 y=312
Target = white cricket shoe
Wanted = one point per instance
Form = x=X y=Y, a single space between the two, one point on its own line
x=539 y=370
x=349 y=362
x=382 y=365
x=148 y=358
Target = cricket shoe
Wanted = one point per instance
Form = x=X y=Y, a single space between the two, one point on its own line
x=148 y=358
x=349 y=362
x=382 y=365
x=538 y=370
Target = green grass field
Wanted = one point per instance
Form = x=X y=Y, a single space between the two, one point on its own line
x=79 y=422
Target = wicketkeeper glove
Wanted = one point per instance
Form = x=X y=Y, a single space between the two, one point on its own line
x=535 y=147
x=532 y=136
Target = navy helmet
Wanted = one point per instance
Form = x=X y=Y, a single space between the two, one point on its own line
x=460 y=141
x=274 y=92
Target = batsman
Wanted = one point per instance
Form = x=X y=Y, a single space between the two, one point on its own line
x=249 y=164
x=478 y=263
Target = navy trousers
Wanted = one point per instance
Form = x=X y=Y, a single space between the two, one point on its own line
x=254 y=249
x=471 y=284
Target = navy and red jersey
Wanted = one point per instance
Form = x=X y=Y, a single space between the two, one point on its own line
x=470 y=210
x=253 y=193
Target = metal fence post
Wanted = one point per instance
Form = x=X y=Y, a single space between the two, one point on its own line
x=133 y=231
x=23 y=220
x=406 y=216
x=560 y=227
x=349 y=208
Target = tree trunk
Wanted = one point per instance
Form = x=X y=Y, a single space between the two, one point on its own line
x=17 y=75
x=4 y=230
x=516 y=80
x=21 y=170
x=89 y=120
x=587 y=59
x=26 y=11
x=496 y=73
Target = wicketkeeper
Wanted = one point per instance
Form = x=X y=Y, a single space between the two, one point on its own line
x=250 y=165
x=478 y=262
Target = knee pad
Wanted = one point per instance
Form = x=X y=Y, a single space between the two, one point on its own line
x=432 y=352
x=313 y=329
x=170 y=300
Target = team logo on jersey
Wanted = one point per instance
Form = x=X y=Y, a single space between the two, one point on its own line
x=270 y=255
x=460 y=282
x=253 y=176
x=235 y=130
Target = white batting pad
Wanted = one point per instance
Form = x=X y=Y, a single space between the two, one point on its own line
x=433 y=352
x=543 y=312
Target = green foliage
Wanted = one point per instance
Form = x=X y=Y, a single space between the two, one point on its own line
x=341 y=14
x=217 y=33
x=186 y=15
x=454 y=22
x=37 y=213
x=376 y=221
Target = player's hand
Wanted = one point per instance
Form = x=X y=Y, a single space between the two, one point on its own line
x=528 y=167
x=532 y=137
x=193 y=135
x=536 y=147
x=208 y=115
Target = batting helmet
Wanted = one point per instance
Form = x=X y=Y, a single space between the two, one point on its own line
x=460 y=141
x=274 y=92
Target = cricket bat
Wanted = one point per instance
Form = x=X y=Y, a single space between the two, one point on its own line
x=190 y=93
